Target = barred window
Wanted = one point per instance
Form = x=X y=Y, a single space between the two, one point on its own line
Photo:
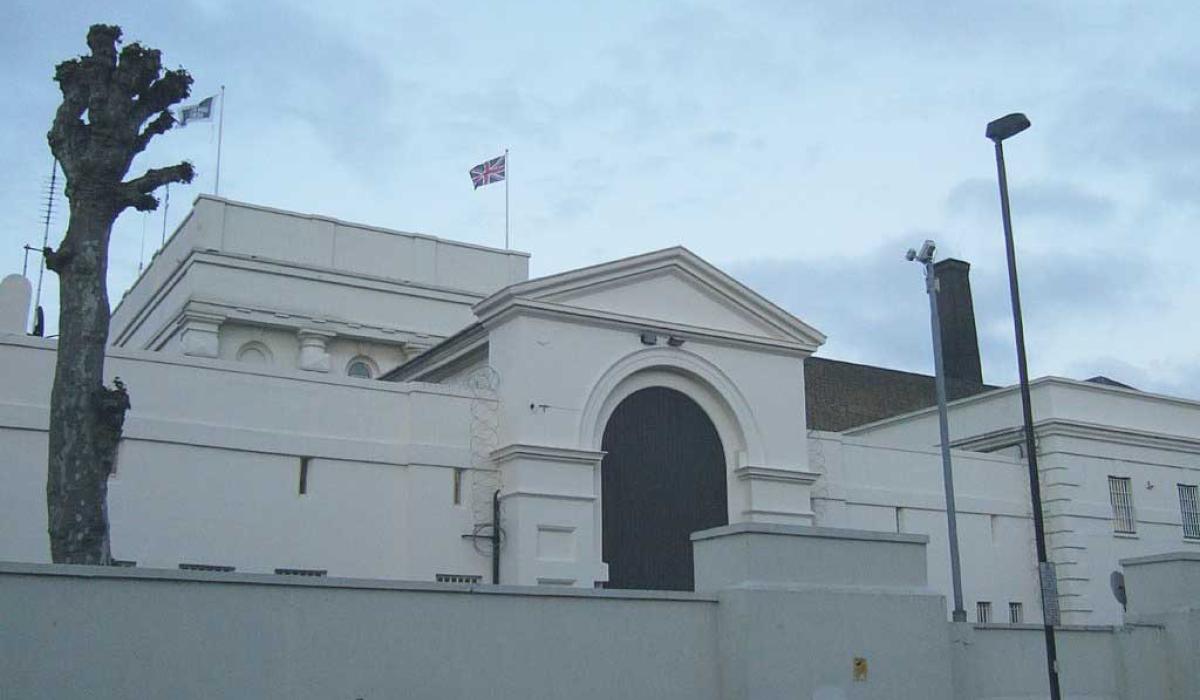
x=1121 y=495
x=458 y=484
x=1189 y=511
x=1016 y=613
x=983 y=611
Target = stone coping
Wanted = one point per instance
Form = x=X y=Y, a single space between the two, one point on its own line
x=1034 y=627
x=9 y=568
x=1161 y=558
x=831 y=533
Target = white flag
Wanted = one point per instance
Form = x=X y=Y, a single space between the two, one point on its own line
x=201 y=111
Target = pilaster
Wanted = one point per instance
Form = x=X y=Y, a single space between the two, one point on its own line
x=777 y=495
x=823 y=613
x=199 y=334
x=548 y=506
x=313 y=355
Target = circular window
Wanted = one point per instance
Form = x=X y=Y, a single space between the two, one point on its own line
x=360 y=367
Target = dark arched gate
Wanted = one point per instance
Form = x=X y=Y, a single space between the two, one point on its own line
x=663 y=478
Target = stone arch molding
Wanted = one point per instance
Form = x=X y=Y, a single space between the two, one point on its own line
x=255 y=352
x=686 y=372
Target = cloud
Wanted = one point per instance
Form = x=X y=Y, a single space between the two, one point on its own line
x=1058 y=201
x=874 y=309
x=1150 y=131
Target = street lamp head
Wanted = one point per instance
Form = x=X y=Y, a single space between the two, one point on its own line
x=1006 y=126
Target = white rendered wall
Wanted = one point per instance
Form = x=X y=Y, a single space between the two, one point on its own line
x=209 y=466
x=187 y=635
x=560 y=380
x=1085 y=433
x=234 y=263
x=785 y=612
x=868 y=486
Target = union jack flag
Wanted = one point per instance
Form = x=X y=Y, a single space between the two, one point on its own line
x=488 y=172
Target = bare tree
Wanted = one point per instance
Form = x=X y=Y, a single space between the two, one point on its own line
x=113 y=105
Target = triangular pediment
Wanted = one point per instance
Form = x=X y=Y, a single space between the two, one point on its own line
x=671 y=288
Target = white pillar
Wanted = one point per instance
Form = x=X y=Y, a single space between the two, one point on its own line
x=313 y=355
x=547 y=511
x=777 y=495
x=199 y=335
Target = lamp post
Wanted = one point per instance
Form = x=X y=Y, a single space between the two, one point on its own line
x=998 y=131
x=925 y=257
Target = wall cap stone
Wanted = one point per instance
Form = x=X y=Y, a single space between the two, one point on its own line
x=806 y=531
x=1161 y=558
x=9 y=568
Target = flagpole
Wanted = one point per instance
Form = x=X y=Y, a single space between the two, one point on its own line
x=166 y=207
x=506 y=175
x=220 y=134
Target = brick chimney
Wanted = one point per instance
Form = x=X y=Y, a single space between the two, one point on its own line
x=960 y=342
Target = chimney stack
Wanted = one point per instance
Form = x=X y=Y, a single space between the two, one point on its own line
x=960 y=342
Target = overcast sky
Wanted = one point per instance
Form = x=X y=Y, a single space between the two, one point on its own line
x=802 y=147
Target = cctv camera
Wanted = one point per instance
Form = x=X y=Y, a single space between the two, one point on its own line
x=926 y=253
x=910 y=255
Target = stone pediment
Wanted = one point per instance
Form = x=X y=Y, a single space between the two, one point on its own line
x=671 y=288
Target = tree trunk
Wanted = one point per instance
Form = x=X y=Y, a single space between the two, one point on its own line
x=85 y=417
x=113 y=105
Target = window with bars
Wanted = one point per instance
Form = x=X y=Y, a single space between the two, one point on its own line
x=983 y=611
x=1189 y=511
x=1016 y=613
x=458 y=486
x=1120 y=494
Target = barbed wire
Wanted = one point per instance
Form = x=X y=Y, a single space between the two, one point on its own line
x=484 y=384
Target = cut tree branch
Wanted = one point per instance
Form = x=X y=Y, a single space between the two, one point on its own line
x=136 y=193
x=161 y=125
x=172 y=87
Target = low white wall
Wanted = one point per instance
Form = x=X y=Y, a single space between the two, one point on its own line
x=787 y=612
x=1008 y=662
x=89 y=632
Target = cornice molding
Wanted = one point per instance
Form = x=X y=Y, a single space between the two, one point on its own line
x=777 y=474
x=295 y=322
x=545 y=453
x=1059 y=427
x=671 y=260
x=593 y=317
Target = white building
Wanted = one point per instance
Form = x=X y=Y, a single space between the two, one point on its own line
x=614 y=409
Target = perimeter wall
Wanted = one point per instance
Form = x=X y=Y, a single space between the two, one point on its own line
x=782 y=612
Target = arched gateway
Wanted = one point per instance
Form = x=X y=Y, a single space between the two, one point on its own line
x=663 y=477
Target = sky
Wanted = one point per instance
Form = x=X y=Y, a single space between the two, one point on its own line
x=800 y=146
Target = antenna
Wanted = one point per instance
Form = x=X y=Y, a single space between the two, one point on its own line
x=51 y=191
x=25 y=263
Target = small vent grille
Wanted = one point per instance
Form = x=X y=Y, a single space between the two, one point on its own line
x=1121 y=496
x=123 y=563
x=206 y=567
x=301 y=572
x=1189 y=511
x=983 y=611
x=458 y=578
